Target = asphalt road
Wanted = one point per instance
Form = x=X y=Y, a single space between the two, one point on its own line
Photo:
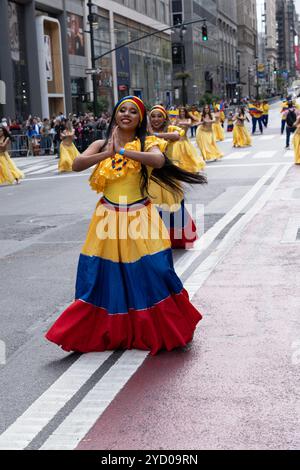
x=43 y=222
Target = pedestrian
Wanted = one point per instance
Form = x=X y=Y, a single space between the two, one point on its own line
x=59 y=127
x=170 y=204
x=9 y=173
x=46 y=141
x=291 y=118
x=241 y=136
x=205 y=137
x=283 y=109
x=127 y=292
x=68 y=151
x=217 y=127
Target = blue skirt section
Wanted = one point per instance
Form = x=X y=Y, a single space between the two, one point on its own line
x=118 y=287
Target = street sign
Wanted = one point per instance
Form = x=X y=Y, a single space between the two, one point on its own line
x=93 y=71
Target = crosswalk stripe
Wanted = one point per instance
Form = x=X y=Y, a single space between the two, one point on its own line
x=45 y=170
x=268 y=137
x=288 y=154
x=265 y=154
x=35 y=167
x=236 y=155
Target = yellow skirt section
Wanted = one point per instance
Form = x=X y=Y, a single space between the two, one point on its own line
x=218 y=132
x=68 y=153
x=296 y=144
x=125 y=235
x=184 y=155
x=241 y=137
x=163 y=197
x=8 y=170
x=207 y=144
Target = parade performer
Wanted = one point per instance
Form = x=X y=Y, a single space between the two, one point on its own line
x=283 y=109
x=217 y=127
x=241 y=136
x=296 y=141
x=256 y=113
x=195 y=117
x=9 y=173
x=68 y=152
x=171 y=207
x=205 y=137
x=230 y=122
x=266 y=109
x=127 y=292
x=183 y=153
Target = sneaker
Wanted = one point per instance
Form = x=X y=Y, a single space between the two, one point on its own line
x=287 y=147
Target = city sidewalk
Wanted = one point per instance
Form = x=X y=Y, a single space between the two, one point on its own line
x=238 y=387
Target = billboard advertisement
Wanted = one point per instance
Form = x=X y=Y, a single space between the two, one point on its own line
x=75 y=34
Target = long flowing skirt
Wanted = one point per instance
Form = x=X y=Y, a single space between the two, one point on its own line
x=127 y=292
x=218 y=132
x=6 y=174
x=17 y=174
x=184 y=154
x=296 y=144
x=68 y=153
x=241 y=136
x=207 y=144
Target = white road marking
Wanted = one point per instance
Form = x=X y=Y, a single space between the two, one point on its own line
x=289 y=154
x=37 y=416
x=242 y=165
x=35 y=167
x=268 y=137
x=291 y=231
x=265 y=154
x=77 y=424
x=209 y=237
x=236 y=155
x=199 y=276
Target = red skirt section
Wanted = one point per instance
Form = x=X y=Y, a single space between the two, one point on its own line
x=85 y=328
x=185 y=237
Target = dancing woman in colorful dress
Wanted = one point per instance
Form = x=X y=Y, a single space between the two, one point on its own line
x=9 y=173
x=296 y=141
x=68 y=152
x=205 y=137
x=182 y=229
x=241 y=136
x=217 y=126
x=127 y=292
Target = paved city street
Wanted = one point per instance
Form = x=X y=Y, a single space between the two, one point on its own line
x=236 y=386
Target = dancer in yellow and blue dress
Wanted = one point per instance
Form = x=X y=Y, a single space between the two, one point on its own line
x=241 y=136
x=67 y=151
x=9 y=173
x=181 y=227
x=205 y=137
x=127 y=292
x=296 y=142
x=217 y=126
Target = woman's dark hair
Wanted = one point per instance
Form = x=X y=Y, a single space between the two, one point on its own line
x=186 y=114
x=169 y=175
x=203 y=114
x=242 y=111
x=5 y=132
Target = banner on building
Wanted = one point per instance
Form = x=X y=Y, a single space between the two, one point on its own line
x=13 y=26
x=75 y=34
x=48 y=58
x=123 y=67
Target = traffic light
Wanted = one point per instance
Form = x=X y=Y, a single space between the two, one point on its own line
x=204 y=33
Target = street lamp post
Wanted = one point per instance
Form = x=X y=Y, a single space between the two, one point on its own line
x=183 y=77
x=92 y=11
x=257 y=79
x=239 y=75
x=249 y=81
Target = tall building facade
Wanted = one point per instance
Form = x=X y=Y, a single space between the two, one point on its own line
x=45 y=54
x=228 y=70
x=201 y=58
x=267 y=46
x=247 y=45
x=286 y=32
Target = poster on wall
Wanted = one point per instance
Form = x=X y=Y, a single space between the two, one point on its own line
x=75 y=34
x=48 y=58
x=13 y=27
